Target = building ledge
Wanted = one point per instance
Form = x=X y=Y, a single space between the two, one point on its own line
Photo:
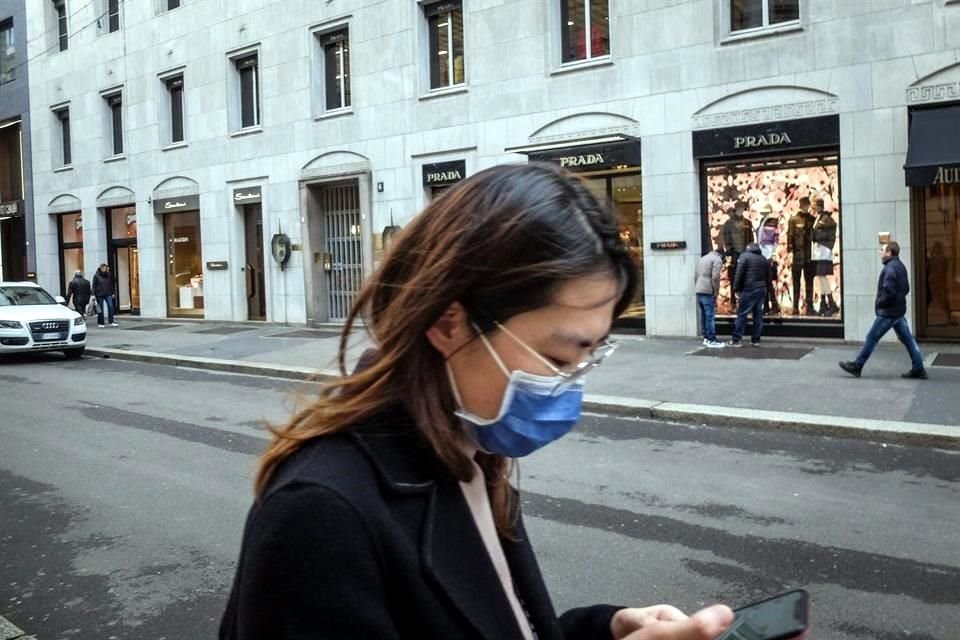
x=763 y=32
x=64 y=168
x=249 y=131
x=334 y=113
x=175 y=145
x=580 y=65
x=116 y=158
x=446 y=91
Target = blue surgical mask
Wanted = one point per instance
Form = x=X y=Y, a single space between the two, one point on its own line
x=533 y=413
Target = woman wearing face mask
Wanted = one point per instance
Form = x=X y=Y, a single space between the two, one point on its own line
x=384 y=510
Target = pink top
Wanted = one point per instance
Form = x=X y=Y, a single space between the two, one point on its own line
x=475 y=493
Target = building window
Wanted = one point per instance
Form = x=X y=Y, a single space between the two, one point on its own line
x=746 y=15
x=113 y=15
x=336 y=69
x=175 y=95
x=248 y=73
x=71 y=247
x=173 y=4
x=63 y=38
x=63 y=120
x=578 y=18
x=7 y=52
x=445 y=30
x=115 y=122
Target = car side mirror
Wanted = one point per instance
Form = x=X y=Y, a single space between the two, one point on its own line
x=61 y=300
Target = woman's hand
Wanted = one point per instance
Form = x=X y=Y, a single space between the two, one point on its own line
x=663 y=622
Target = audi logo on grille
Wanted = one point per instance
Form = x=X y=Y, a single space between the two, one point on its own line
x=50 y=325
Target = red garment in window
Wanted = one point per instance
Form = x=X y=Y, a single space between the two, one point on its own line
x=598 y=46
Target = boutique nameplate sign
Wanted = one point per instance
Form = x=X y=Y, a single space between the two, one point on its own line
x=444 y=174
x=613 y=155
x=217 y=265
x=250 y=195
x=670 y=245
x=774 y=137
x=173 y=205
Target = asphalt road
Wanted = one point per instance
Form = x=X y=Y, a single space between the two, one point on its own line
x=123 y=489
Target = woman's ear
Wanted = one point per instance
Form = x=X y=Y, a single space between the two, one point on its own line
x=451 y=331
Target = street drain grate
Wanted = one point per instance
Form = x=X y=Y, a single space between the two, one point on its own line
x=947 y=360
x=150 y=327
x=747 y=352
x=305 y=333
x=224 y=331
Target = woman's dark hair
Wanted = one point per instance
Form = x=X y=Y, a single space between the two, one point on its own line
x=501 y=242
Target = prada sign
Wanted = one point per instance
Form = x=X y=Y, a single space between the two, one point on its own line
x=173 y=205
x=444 y=174
x=771 y=137
x=250 y=195
x=614 y=155
x=12 y=209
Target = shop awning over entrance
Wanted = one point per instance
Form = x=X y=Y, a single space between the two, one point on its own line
x=933 y=155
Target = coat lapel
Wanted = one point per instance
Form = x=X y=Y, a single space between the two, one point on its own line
x=530 y=585
x=455 y=557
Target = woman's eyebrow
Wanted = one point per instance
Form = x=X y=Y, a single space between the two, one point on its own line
x=575 y=339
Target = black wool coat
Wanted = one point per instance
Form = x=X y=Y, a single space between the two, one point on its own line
x=365 y=535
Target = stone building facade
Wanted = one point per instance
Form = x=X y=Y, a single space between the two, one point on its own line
x=319 y=127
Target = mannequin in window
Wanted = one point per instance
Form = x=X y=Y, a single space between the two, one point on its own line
x=736 y=234
x=824 y=240
x=768 y=237
x=799 y=239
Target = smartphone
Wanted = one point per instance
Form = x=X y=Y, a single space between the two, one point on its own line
x=782 y=617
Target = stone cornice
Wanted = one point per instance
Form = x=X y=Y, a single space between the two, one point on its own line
x=771 y=113
x=933 y=93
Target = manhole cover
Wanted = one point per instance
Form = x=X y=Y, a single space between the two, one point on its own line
x=947 y=360
x=224 y=331
x=305 y=333
x=746 y=352
x=150 y=327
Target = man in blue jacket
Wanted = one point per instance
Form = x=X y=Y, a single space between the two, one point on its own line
x=891 y=309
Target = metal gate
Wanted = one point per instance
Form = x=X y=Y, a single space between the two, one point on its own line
x=343 y=251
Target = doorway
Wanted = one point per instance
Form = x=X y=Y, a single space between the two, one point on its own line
x=124 y=257
x=255 y=267
x=336 y=233
x=938 y=261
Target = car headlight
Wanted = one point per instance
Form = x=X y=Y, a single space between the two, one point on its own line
x=79 y=322
x=10 y=324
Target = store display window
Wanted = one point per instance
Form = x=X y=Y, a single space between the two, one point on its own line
x=71 y=248
x=790 y=207
x=184 y=264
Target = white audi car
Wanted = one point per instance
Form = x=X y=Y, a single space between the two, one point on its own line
x=33 y=320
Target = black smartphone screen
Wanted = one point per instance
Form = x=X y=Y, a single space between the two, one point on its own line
x=778 y=618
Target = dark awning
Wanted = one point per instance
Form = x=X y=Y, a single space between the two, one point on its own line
x=933 y=155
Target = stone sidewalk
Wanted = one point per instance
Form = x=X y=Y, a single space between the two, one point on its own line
x=784 y=384
x=9 y=631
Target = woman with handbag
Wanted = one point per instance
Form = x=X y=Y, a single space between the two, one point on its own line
x=384 y=510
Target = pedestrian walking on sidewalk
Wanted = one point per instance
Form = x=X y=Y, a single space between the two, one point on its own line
x=891 y=310
x=103 y=287
x=385 y=509
x=707 y=283
x=750 y=287
x=79 y=291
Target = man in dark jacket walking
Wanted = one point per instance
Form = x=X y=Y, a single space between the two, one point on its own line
x=103 y=288
x=891 y=310
x=79 y=291
x=750 y=286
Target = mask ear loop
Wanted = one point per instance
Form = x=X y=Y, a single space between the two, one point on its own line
x=493 y=353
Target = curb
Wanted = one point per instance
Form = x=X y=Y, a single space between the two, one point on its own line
x=9 y=631
x=882 y=431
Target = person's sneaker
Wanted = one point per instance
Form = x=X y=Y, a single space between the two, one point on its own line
x=754 y=344
x=114 y=324
x=919 y=374
x=102 y=326
x=735 y=344
x=851 y=368
x=713 y=344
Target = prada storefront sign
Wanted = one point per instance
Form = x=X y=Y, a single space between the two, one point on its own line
x=12 y=209
x=173 y=205
x=444 y=174
x=250 y=195
x=613 y=155
x=768 y=137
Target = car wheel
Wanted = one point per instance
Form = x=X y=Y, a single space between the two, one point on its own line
x=73 y=354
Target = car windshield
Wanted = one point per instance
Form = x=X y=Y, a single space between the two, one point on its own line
x=24 y=296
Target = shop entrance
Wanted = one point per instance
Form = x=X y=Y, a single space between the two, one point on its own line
x=938 y=261
x=255 y=263
x=623 y=190
x=124 y=258
x=336 y=233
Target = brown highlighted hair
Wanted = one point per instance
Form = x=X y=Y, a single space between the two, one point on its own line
x=894 y=248
x=500 y=242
